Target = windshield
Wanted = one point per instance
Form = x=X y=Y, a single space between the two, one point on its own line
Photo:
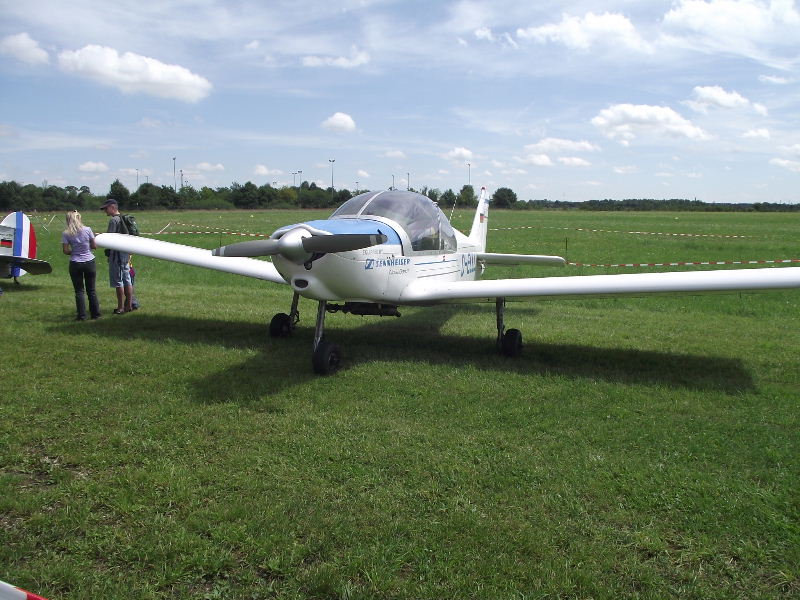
x=418 y=215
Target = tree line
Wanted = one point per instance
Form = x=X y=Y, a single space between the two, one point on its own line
x=148 y=196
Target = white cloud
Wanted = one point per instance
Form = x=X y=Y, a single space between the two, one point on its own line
x=625 y=169
x=458 y=154
x=356 y=59
x=266 y=171
x=133 y=73
x=794 y=149
x=22 y=47
x=624 y=122
x=706 y=97
x=399 y=154
x=363 y=174
x=751 y=28
x=581 y=33
x=556 y=145
x=761 y=132
x=254 y=45
x=93 y=167
x=484 y=33
x=774 y=79
x=791 y=165
x=572 y=161
x=205 y=166
x=339 y=121
x=537 y=160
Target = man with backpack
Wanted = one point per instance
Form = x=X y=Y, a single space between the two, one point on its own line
x=119 y=262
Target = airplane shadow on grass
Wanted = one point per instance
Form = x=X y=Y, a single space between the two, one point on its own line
x=416 y=337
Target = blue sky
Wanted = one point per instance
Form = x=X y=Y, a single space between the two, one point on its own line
x=560 y=100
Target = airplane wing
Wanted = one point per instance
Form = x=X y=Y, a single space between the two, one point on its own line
x=33 y=266
x=491 y=258
x=189 y=255
x=635 y=284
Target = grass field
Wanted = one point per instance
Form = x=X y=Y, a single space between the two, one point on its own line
x=639 y=448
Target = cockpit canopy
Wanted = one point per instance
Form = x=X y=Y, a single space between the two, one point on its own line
x=421 y=219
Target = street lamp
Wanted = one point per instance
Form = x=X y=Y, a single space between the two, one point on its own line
x=300 y=172
x=356 y=187
x=294 y=179
x=469 y=173
x=392 y=180
x=174 y=177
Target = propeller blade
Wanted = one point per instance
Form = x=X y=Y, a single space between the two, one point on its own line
x=342 y=242
x=251 y=248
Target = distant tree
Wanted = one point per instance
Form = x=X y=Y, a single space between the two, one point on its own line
x=148 y=196
x=432 y=193
x=10 y=192
x=287 y=197
x=187 y=197
x=466 y=197
x=504 y=198
x=120 y=193
x=244 y=196
x=447 y=199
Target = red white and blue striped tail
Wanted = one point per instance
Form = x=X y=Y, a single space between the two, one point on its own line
x=18 y=247
x=9 y=592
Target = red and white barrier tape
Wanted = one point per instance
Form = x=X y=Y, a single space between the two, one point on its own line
x=706 y=235
x=688 y=263
x=9 y=592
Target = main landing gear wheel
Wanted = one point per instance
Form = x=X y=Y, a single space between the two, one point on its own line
x=511 y=343
x=280 y=326
x=327 y=358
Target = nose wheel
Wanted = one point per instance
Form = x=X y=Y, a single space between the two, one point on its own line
x=327 y=356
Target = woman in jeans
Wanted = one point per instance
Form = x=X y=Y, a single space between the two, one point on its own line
x=77 y=242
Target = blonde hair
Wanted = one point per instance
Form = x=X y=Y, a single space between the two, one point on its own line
x=74 y=223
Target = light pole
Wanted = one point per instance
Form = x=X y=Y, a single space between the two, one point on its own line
x=294 y=179
x=137 y=179
x=331 y=160
x=356 y=187
x=408 y=181
x=392 y=180
x=469 y=173
x=174 y=177
x=300 y=172
x=181 y=178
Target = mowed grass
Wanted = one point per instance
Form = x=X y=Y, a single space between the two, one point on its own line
x=640 y=447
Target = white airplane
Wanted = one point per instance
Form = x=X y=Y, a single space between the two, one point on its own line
x=381 y=250
x=18 y=248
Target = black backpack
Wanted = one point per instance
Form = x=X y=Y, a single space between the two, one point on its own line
x=127 y=225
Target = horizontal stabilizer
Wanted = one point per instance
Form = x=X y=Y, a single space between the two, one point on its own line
x=521 y=259
x=33 y=266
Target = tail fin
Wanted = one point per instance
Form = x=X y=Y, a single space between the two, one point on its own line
x=17 y=241
x=480 y=224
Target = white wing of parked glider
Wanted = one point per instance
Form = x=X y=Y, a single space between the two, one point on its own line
x=189 y=255
x=699 y=282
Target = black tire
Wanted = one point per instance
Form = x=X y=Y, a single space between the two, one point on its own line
x=327 y=358
x=280 y=326
x=511 y=344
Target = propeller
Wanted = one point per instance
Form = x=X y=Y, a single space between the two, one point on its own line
x=298 y=245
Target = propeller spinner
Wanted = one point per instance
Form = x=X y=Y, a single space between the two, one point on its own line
x=298 y=245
